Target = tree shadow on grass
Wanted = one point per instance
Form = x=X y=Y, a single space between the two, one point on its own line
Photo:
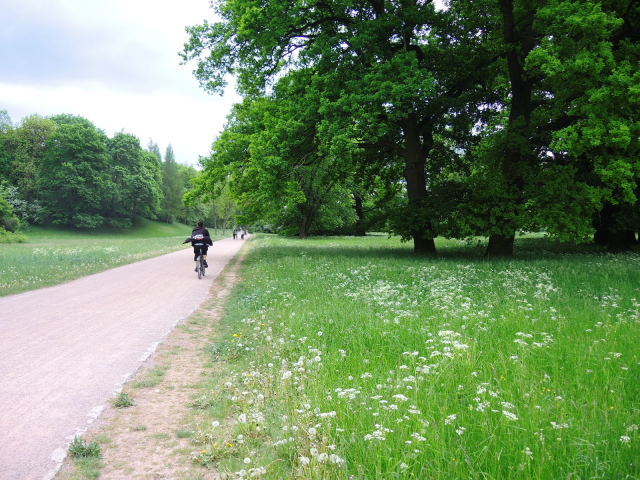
x=526 y=249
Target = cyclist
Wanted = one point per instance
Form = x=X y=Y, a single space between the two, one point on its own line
x=200 y=241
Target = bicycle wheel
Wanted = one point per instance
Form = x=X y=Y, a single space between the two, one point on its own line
x=200 y=269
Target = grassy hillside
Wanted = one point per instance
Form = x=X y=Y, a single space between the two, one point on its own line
x=344 y=358
x=142 y=229
x=53 y=255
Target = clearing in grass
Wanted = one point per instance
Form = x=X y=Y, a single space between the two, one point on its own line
x=351 y=358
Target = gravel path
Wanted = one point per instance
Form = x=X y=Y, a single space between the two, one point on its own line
x=66 y=350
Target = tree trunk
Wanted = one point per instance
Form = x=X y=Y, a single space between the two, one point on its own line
x=306 y=220
x=500 y=246
x=611 y=232
x=616 y=241
x=423 y=245
x=360 y=228
x=519 y=39
x=622 y=241
x=415 y=161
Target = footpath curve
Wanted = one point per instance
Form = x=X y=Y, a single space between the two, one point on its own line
x=66 y=350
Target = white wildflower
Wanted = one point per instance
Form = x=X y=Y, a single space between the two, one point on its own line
x=378 y=434
x=327 y=414
x=510 y=415
x=448 y=333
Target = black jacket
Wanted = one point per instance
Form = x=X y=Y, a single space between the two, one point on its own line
x=203 y=237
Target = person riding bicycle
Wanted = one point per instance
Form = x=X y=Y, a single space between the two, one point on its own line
x=200 y=241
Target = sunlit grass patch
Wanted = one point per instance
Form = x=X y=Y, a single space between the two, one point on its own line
x=152 y=378
x=350 y=358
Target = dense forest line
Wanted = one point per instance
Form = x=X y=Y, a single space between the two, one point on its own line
x=64 y=170
x=483 y=118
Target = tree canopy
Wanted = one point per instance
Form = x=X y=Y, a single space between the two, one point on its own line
x=488 y=117
x=65 y=170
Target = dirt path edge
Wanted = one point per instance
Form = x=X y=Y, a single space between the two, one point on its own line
x=150 y=440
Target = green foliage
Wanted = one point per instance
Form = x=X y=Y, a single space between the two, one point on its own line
x=8 y=220
x=21 y=151
x=11 y=237
x=77 y=182
x=172 y=187
x=123 y=400
x=137 y=174
x=28 y=211
x=591 y=84
x=79 y=449
x=359 y=71
x=5 y=122
x=490 y=117
x=64 y=170
x=274 y=162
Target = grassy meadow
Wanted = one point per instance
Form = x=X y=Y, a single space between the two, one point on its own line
x=55 y=255
x=347 y=358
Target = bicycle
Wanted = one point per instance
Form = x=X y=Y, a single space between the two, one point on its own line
x=200 y=268
x=199 y=242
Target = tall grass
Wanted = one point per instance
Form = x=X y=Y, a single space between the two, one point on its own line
x=54 y=255
x=351 y=358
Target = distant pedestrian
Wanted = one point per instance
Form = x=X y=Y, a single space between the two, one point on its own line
x=235 y=234
x=242 y=232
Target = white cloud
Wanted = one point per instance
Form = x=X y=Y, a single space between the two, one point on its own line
x=114 y=62
x=188 y=122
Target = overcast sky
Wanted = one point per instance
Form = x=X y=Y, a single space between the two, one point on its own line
x=114 y=62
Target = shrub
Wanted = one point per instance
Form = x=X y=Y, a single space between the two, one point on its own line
x=79 y=448
x=123 y=400
x=11 y=237
x=28 y=211
x=8 y=220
